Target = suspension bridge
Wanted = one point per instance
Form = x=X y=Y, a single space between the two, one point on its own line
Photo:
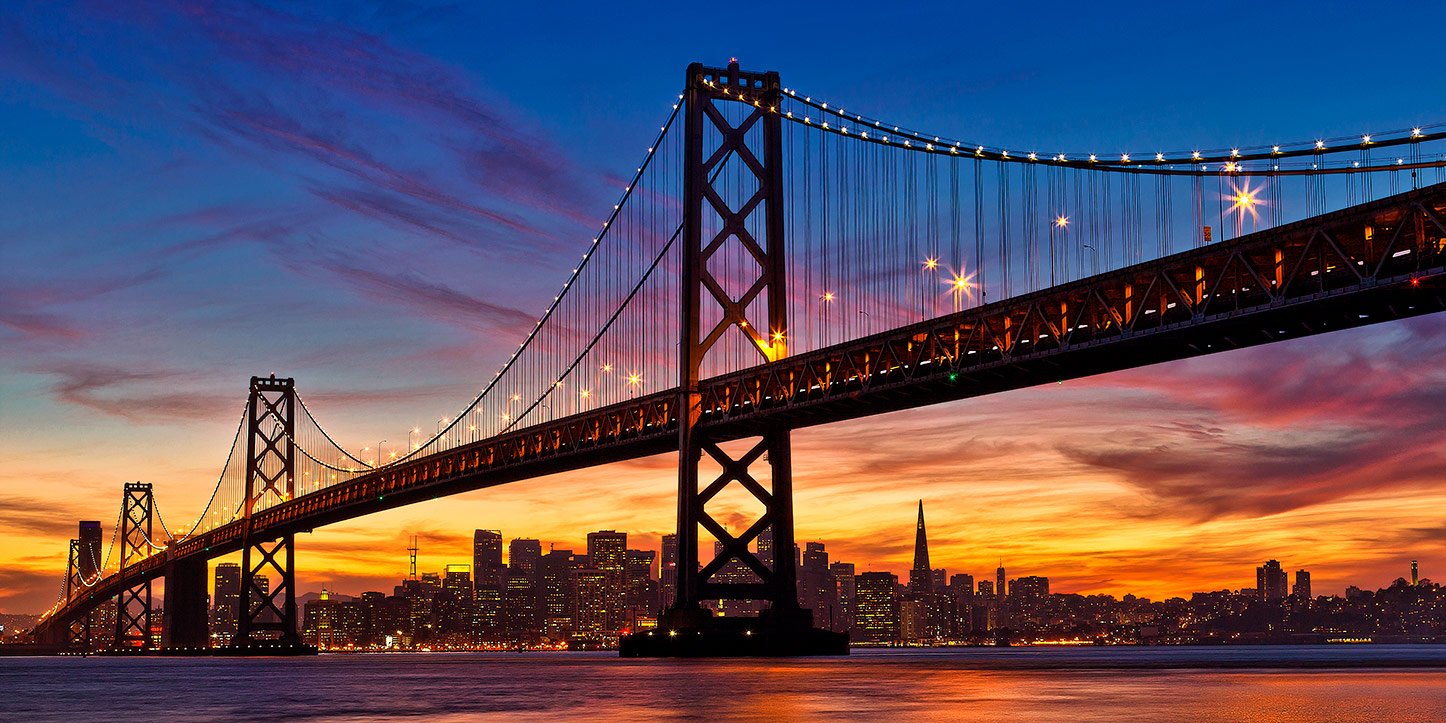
x=777 y=261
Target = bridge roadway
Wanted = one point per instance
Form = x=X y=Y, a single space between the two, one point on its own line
x=1367 y=264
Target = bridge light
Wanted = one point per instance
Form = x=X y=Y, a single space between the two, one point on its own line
x=1124 y=158
x=1415 y=282
x=1159 y=156
x=607 y=367
x=1319 y=145
x=930 y=263
x=1415 y=132
x=828 y=296
x=1092 y=158
x=1062 y=221
x=1365 y=139
x=1275 y=149
x=1195 y=155
x=634 y=379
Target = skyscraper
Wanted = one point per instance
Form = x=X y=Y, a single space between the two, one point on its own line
x=668 y=573
x=487 y=567
x=999 y=588
x=1302 y=586
x=607 y=549
x=227 y=608
x=488 y=577
x=557 y=594
x=921 y=576
x=526 y=554
x=876 y=617
x=1270 y=581
x=817 y=587
x=843 y=574
x=1414 y=579
x=89 y=553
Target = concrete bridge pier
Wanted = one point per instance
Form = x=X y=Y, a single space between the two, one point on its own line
x=185 y=623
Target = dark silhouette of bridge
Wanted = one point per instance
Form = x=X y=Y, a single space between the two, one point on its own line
x=782 y=263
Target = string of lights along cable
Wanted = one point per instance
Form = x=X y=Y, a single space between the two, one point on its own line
x=884 y=226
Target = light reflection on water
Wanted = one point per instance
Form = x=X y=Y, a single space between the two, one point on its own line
x=1077 y=686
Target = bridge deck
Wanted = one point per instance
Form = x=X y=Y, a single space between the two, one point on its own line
x=1371 y=263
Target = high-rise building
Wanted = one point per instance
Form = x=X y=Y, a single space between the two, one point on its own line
x=227 y=608
x=557 y=594
x=90 y=538
x=592 y=603
x=921 y=576
x=1270 y=581
x=999 y=587
x=607 y=550
x=525 y=553
x=763 y=547
x=1301 y=591
x=986 y=608
x=519 y=604
x=843 y=575
x=876 y=617
x=1414 y=579
x=959 y=619
x=489 y=576
x=640 y=587
x=453 y=616
x=817 y=587
x=668 y=572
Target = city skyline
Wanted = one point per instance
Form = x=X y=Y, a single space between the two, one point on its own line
x=1250 y=573
x=167 y=203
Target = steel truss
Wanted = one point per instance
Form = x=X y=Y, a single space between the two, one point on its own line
x=133 y=605
x=703 y=295
x=270 y=470
x=77 y=632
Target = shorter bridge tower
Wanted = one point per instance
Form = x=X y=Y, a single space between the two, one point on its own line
x=133 y=605
x=78 y=628
x=268 y=614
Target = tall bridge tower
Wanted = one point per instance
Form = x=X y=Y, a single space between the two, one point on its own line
x=715 y=217
x=133 y=606
x=270 y=474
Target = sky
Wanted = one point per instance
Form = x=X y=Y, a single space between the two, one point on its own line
x=371 y=197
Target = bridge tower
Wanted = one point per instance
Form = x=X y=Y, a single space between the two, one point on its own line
x=714 y=218
x=133 y=605
x=78 y=628
x=270 y=475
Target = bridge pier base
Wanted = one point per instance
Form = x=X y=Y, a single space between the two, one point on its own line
x=184 y=620
x=697 y=634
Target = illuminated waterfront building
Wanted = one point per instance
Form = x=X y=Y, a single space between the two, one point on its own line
x=668 y=571
x=843 y=575
x=488 y=578
x=226 y=587
x=557 y=594
x=607 y=550
x=876 y=617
